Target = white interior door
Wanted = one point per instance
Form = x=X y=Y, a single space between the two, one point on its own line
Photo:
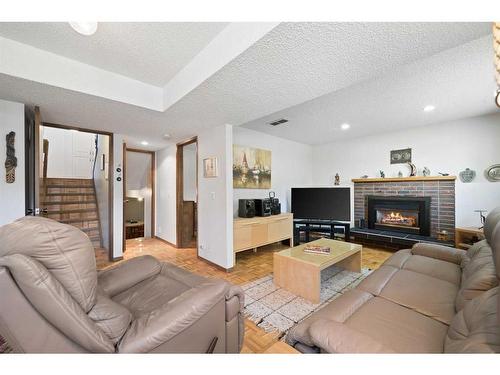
x=82 y=154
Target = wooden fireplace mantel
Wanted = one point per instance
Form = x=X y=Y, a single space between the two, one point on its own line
x=405 y=179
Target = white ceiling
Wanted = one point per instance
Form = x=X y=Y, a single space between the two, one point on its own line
x=372 y=75
x=151 y=52
x=458 y=82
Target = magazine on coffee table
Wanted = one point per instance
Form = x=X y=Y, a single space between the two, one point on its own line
x=314 y=249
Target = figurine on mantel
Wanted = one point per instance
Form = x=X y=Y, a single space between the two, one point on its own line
x=426 y=172
x=382 y=174
x=413 y=169
x=337 y=179
x=400 y=174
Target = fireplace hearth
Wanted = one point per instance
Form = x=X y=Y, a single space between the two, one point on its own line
x=399 y=214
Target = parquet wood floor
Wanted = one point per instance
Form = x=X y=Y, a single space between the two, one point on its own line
x=249 y=266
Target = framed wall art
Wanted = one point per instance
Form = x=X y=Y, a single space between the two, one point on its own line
x=401 y=156
x=210 y=167
x=251 y=168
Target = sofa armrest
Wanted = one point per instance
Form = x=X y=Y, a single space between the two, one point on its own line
x=448 y=254
x=126 y=274
x=335 y=337
x=159 y=326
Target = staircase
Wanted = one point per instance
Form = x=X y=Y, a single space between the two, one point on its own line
x=73 y=201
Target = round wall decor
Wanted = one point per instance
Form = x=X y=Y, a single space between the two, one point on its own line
x=492 y=173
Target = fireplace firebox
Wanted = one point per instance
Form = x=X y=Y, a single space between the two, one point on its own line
x=400 y=214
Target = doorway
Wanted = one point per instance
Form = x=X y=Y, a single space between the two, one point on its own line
x=67 y=178
x=187 y=194
x=139 y=195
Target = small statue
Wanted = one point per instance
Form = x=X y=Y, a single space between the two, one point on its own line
x=382 y=174
x=400 y=174
x=337 y=179
x=364 y=176
x=426 y=172
x=413 y=169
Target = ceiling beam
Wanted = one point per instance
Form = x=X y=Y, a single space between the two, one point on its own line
x=30 y=63
x=233 y=40
x=27 y=62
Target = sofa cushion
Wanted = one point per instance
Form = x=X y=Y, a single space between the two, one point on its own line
x=150 y=294
x=339 y=310
x=475 y=329
x=398 y=328
x=65 y=251
x=427 y=295
x=478 y=273
x=436 y=268
x=113 y=318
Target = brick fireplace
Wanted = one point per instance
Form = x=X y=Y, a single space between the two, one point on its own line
x=437 y=192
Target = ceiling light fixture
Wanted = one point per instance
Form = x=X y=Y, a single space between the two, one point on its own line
x=429 y=108
x=144 y=143
x=345 y=126
x=84 y=28
x=166 y=135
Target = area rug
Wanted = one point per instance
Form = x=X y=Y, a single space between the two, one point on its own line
x=275 y=309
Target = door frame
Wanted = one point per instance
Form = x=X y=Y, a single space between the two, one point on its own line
x=110 y=177
x=153 y=187
x=180 y=188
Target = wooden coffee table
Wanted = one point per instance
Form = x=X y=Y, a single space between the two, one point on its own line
x=300 y=272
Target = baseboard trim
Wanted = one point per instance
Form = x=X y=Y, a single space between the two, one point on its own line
x=165 y=241
x=220 y=268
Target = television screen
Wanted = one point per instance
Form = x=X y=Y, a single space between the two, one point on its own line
x=322 y=203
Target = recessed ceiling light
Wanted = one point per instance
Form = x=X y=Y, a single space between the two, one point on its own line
x=429 y=108
x=144 y=143
x=345 y=126
x=166 y=135
x=84 y=28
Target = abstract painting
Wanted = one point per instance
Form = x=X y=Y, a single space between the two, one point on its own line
x=251 y=168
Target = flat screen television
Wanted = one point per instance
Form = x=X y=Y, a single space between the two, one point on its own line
x=322 y=203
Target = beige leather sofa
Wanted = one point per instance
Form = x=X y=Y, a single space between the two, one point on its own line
x=54 y=301
x=428 y=299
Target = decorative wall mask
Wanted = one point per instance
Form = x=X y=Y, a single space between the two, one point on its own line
x=11 y=160
x=492 y=173
x=401 y=156
x=467 y=176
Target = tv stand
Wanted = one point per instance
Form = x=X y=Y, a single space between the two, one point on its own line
x=320 y=225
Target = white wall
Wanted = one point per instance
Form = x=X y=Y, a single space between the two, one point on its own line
x=70 y=152
x=102 y=187
x=215 y=198
x=448 y=147
x=290 y=166
x=139 y=184
x=117 y=195
x=189 y=172
x=12 y=197
x=166 y=194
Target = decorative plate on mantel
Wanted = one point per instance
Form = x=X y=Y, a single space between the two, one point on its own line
x=492 y=173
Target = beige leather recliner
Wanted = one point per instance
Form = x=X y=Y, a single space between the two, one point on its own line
x=54 y=301
x=428 y=299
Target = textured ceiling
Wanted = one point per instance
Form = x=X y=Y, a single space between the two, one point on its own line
x=151 y=52
x=293 y=64
x=459 y=82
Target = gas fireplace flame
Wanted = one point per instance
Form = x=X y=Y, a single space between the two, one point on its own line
x=398 y=218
